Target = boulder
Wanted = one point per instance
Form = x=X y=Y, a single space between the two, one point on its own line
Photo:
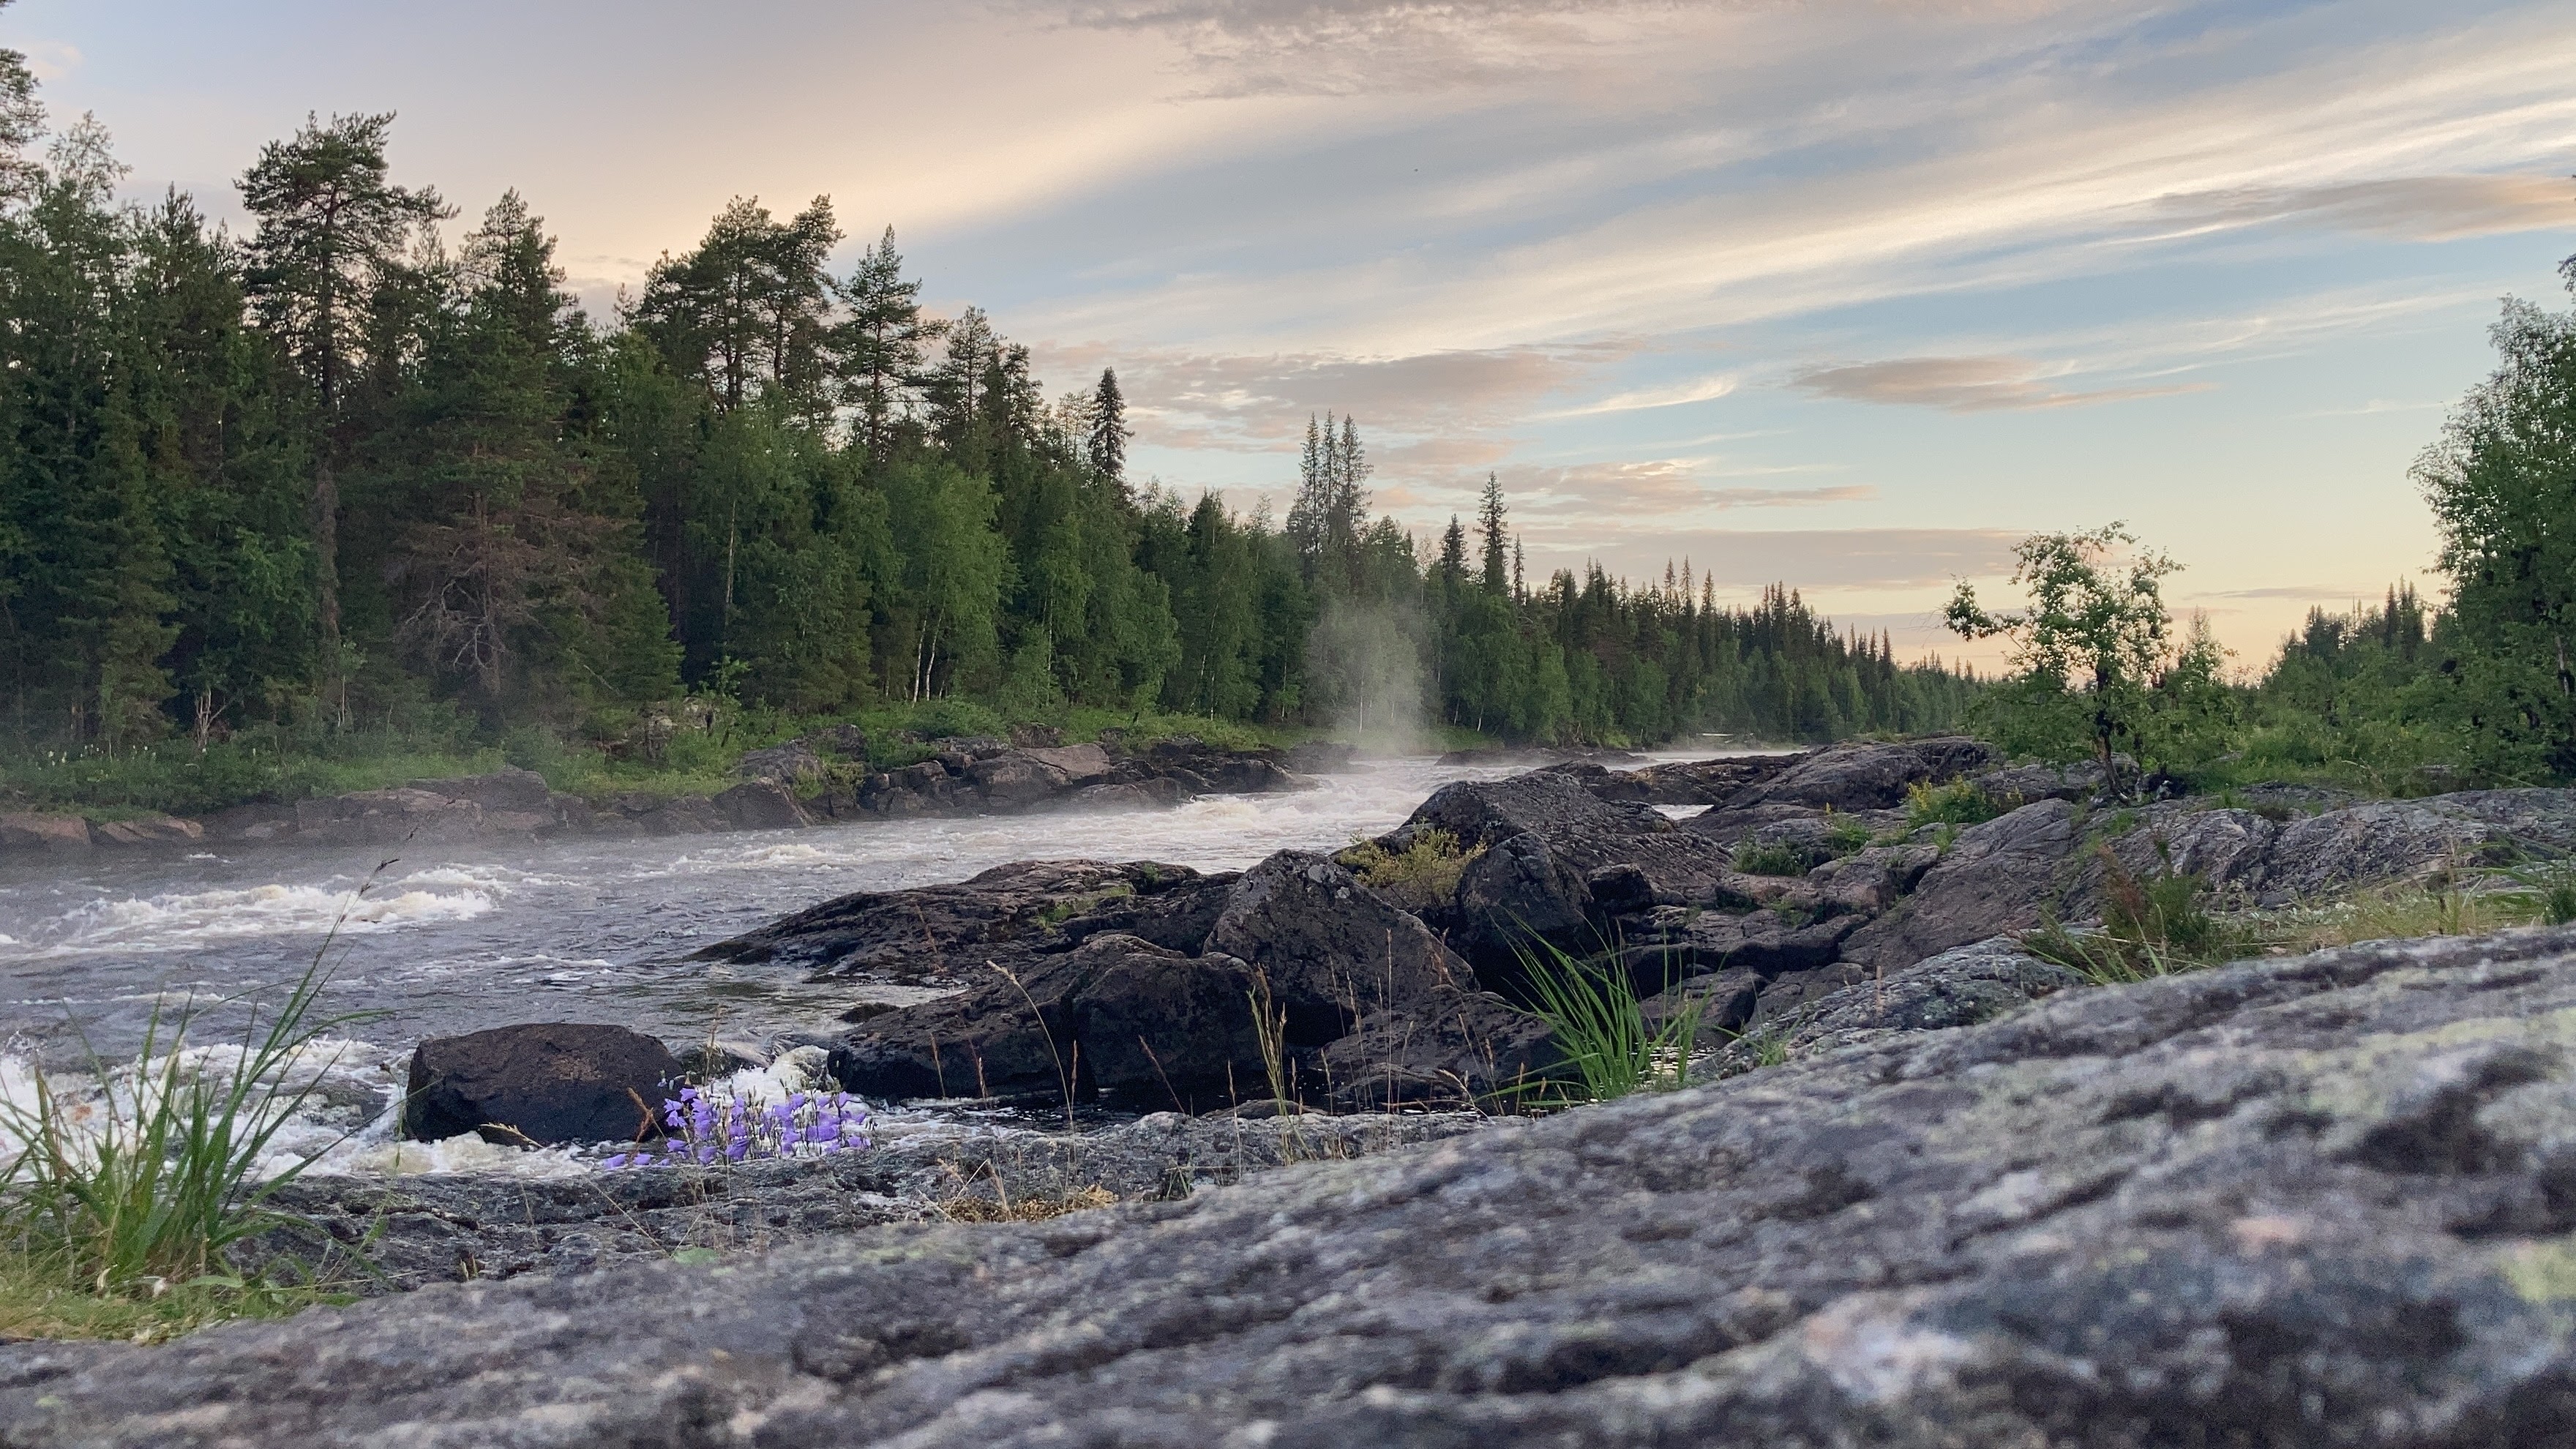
x=508 y=789
x=790 y=764
x=2319 y=1200
x=1451 y=1047
x=389 y=817
x=31 y=834
x=1997 y=877
x=1686 y=782
x=1115 y=1014
x=1677 y=942
x=546 y=1084
x=253 y=824
x=1844 y=1005
x=1332 y=950
x=1320 y=757
x=761 y=805
x=1867 y=775
x=1011 y=913
x=2383 y=840
x=148 y=830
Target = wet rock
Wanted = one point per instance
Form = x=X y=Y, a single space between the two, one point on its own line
x=1331 y=950
x=1867 y=775
x=33 y=834
x=1320 y=757
x=2307 y=1201
x=546 y=1083
x=761 y=805
x=253 y=824
x=1997 y=877
x=1155 y=794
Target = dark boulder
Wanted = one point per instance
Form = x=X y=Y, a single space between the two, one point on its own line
x=545 y=1083
x=1845 y=1005
x=1677 y=942
x=1011 y=913
x=1998 y=877
x=1116 y=1014
x=1686 y=782
x=1332 y=950
x=761 y=805
x=1448 y=1048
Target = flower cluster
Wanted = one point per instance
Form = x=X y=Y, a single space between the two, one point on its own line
x=707 y=1130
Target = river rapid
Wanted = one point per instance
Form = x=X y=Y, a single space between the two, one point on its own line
x=454 y=938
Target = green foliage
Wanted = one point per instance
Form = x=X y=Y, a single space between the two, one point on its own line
x=1424 y=874
x=2502 y=485
x=1958 y=803
x=1775 y=858
x=2097 y=668
x=1598 y=1024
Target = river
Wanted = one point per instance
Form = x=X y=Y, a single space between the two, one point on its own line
x=454 y=938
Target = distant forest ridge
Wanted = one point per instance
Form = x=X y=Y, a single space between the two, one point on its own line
x=349 y=472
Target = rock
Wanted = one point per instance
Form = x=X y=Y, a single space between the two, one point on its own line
x=761 y=805
x=1688 y=782
x=546 y=1083
x=1542 y=835
x=253 y=824
x=1331 y=949
x=2014 y=785
x=1320 y=757
x=1677 y=942
x=1724 y=999
x=1844 y=1005
x=2310 y=1201
x=1011 y=913
x=28 y=833
x=1036 y=736
x=1450 y=1047
x=2228 y=849
x=1115 y=1014
x=1997 y=877
x=2383 y=840
x=1155 y=794
x=790 y=764
x=509 y=789
x=1018 y=778
x=1867 y=775
x=149 y=830
x=1869 y=881
x=1074 y=765
x=444 y=1228
x=387 y=817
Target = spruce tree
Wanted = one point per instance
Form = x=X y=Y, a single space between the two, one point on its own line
x=1109 y=432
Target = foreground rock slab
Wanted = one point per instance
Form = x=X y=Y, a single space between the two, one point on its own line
x=2323 y=1200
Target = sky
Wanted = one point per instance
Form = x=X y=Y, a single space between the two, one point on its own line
x=1846 y=294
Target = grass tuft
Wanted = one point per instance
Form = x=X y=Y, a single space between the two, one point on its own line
x=1422 y=875
x=1599 y=1026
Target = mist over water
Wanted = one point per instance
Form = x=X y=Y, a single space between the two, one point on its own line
x=453 y=938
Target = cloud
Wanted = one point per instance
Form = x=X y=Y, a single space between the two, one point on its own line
x=1822 y=558
x=52 y=60
x=1963 y=385
x=1657 y=490
x=1706 y=389
x=2414 y=208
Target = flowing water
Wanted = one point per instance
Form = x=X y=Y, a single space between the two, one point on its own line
x=454 y=938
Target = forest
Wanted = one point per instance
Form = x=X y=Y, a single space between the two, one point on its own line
x=366 y=471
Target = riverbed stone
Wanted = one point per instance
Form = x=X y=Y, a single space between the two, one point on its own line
x=2001 y=876
x=27 y=832
x=1867 y=775
x=543 y=1084
x=2308 y=1201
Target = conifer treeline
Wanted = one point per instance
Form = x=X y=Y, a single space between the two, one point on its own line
x=340 y=472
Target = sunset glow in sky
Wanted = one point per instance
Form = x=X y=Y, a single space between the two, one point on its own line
x=1846 y=293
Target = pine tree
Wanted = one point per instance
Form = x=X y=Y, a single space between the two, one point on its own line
x=331 y=235
x=1109 y=432
x=880 y=344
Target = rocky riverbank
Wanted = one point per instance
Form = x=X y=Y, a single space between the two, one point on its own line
x=1385 y=973
x=2309 y=1201
x=806 y=781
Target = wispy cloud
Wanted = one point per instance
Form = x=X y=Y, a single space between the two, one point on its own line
x=1965 y=385
x=2416 y=208
x=1706 y=389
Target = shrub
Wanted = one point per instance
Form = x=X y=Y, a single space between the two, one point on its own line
x=1423 y=874
x=1775 y=858
x=1958 y=803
